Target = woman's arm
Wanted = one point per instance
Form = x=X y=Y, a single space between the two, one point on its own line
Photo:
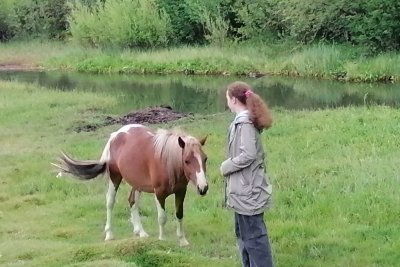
x=248 y=151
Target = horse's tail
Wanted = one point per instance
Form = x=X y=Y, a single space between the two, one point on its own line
x=85 y=169
x=82 y=169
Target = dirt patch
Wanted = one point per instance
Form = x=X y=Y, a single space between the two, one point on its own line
x=17 y=67
x=151 y=115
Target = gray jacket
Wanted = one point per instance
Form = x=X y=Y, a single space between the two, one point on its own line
x=248 y=187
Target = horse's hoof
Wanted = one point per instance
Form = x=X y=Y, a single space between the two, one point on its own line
x=183 y=243
x=109 y=237
x=143 y=235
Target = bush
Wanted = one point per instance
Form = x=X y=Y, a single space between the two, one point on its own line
x=138 y=23
x=259 y=18
x=56 y=13
x=186 y=24
x=122 y=23
x=33 y=18
x=8 y=21
x=375 y=23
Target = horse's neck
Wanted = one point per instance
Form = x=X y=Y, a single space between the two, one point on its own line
x=181 y=178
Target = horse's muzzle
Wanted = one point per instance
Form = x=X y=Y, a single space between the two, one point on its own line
x=202 y=191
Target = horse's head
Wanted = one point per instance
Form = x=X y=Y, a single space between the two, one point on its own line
x=194 y=162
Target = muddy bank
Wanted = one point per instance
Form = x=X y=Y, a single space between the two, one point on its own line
x=150 y=115
x=15 y=66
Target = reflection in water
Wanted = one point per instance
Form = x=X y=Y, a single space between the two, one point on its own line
x=199 y=94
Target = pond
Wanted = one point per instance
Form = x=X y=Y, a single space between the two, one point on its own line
x=205 y=94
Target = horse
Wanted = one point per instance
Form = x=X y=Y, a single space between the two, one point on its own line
x=162 y=162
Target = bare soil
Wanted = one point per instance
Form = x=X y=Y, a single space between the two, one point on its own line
x=16 y=66
x=150 y=115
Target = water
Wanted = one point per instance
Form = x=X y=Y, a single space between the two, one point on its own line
x=206 y=95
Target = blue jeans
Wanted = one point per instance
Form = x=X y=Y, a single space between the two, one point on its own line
x=253 y=241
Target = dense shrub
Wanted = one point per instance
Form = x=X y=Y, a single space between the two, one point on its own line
x=137 y=23
x=122 y=23
x=56 y=12
x=374 y=23
x=259 y=18
x=33 y=18
x=8 y=23
x=186 y=24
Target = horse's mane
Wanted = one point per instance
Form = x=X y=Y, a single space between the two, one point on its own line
x=167 y=149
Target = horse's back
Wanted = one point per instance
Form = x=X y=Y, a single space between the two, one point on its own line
x=131 y=152
x=131 y=140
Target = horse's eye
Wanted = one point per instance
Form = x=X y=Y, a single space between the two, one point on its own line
x=205 y=160
x=186 y=162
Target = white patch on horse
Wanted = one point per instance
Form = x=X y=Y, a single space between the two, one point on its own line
x=181 y=235
x=105 y=156
x=110 y=197
x=126 y=128
x=201 y=177
x=135 y=217
x=162 y=219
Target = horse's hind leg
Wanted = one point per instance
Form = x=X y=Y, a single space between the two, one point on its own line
x=134 y=200
x=162 y=216
x=179 y=198
x=113 y=184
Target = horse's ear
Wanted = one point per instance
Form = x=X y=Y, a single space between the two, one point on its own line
x=181 y=142
x=203 y=140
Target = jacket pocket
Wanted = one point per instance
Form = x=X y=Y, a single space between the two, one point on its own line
x=238 y=185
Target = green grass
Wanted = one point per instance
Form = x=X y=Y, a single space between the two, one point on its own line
x=335 y=175
x=381 y=68
x=337 y=62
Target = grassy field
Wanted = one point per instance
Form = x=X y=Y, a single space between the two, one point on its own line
x=322 y=61
x=335 y=175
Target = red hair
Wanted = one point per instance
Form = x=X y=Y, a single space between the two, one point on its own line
x=259 y=113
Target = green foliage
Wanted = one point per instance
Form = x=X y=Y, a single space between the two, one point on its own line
x=317 y=61
x=56 y=12
x=121 y=23
x=92 y=3
x=259 y=18
x=371 y=23
x=309 y=20
x=375 y=23
x=195 y=21
x=32 y=18
x=216 y=28
x=252 y=58
x=8 y=21
x=185 y=21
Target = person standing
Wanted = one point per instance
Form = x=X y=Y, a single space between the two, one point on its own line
x=248 y=189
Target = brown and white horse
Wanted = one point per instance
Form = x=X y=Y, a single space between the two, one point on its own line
x=161 y=162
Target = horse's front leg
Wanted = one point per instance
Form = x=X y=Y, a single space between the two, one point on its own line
x=179 y=198
x=162 y=216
